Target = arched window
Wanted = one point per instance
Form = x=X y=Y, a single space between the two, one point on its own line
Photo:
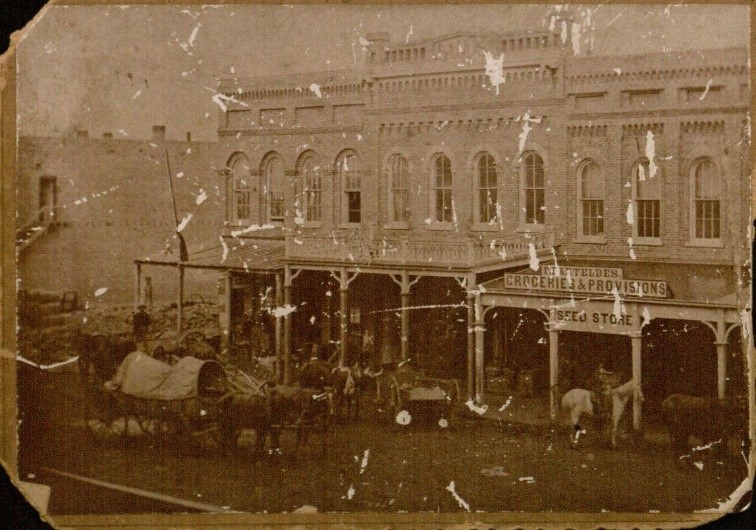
x=241 y=209
x=647 y=198
x=349 y=174
x=398 y=186
x=706 y=197
x=273 y=189
x=312 y=190
x=534 y=189
x=591 y=199
x=442 y=188
x=487 y=180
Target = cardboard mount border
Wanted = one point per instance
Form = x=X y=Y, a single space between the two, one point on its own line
x=8 y=346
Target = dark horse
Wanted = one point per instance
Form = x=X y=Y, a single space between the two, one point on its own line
x=268 y=414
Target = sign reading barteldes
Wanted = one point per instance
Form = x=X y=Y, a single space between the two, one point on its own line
x=583 y=285
x=582 y=272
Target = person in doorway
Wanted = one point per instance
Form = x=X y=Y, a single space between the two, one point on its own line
x=141 y=325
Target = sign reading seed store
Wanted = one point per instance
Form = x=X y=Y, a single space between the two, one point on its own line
x=607 y=315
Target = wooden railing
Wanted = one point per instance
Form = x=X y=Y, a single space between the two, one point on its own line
x=358 y=247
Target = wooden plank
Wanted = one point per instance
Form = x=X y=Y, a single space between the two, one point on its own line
x=8 y=454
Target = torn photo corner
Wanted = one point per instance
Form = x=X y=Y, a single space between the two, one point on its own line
x=333 y=263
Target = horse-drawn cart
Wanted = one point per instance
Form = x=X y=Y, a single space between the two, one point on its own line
x=409 y=395
x=145 y=396
x=134 y=394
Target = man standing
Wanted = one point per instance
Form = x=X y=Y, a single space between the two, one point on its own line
x=141 y=326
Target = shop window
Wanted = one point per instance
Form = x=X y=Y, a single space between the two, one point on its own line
x=706 y=200
x=398 y=189
x=273 y=189
x=647 y=198
x=442 y=189
x=487 y=181
x=535 y=209
x=591 y=199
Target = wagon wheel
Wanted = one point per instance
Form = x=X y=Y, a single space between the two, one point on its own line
x=172 y=425
x=193 y=343
x=100 y=411
x=394 y=399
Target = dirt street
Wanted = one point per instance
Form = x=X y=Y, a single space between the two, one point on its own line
x=372 y=465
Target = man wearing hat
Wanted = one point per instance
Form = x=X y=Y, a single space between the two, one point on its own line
x=141 y=326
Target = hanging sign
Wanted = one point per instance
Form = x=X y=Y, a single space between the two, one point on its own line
x=595 y=317
x=582 y=272
x=586 y=285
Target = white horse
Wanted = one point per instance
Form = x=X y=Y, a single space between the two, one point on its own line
x=579 y=402
x=620 y=396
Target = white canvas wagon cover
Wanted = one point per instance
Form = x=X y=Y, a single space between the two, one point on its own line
x=142 y=376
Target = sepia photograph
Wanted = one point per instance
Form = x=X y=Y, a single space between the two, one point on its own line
x=399 y=263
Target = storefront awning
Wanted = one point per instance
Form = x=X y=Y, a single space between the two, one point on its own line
x=261 y=256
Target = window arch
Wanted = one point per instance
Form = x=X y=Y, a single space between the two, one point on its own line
x=273 y=188
x=312 y=189
x=241 y=195
x=398 y=186
x=486 y=179
x=535 y=210
x=647 y=200
x=442 y=188
x=349 y=174
x=591 y=182
x=706 y=199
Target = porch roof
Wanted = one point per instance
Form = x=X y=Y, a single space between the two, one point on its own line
x=243 y=255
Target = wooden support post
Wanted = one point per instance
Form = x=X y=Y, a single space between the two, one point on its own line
x=287 y=327
x=344 y=311
x=180 y=301
x=405 y=294
x=137 y=285
x=470 y=345
x=721 y=345
x=553 y=369
x=279 y=327
x=225 y=316
x=635 y=340
x=479 y=337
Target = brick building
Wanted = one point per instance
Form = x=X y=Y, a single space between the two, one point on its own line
x=379 y=201
x=389 y=211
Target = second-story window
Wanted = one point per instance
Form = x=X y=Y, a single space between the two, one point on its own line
x=487 y=187
x=312 y=190
x=242 y=191
x=442 y=189
x=706 y=197
x=398 y=189
x=534 y=189
x=350 y=175
x=273 y=188
x=646 y=194
x=591 y=199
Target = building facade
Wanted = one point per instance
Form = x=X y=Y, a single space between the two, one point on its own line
x=390 y=194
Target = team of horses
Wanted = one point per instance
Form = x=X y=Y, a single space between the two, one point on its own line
x=325 y=390
x=710 y=421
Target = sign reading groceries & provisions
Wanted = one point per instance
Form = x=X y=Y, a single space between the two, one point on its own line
x=585 y=280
